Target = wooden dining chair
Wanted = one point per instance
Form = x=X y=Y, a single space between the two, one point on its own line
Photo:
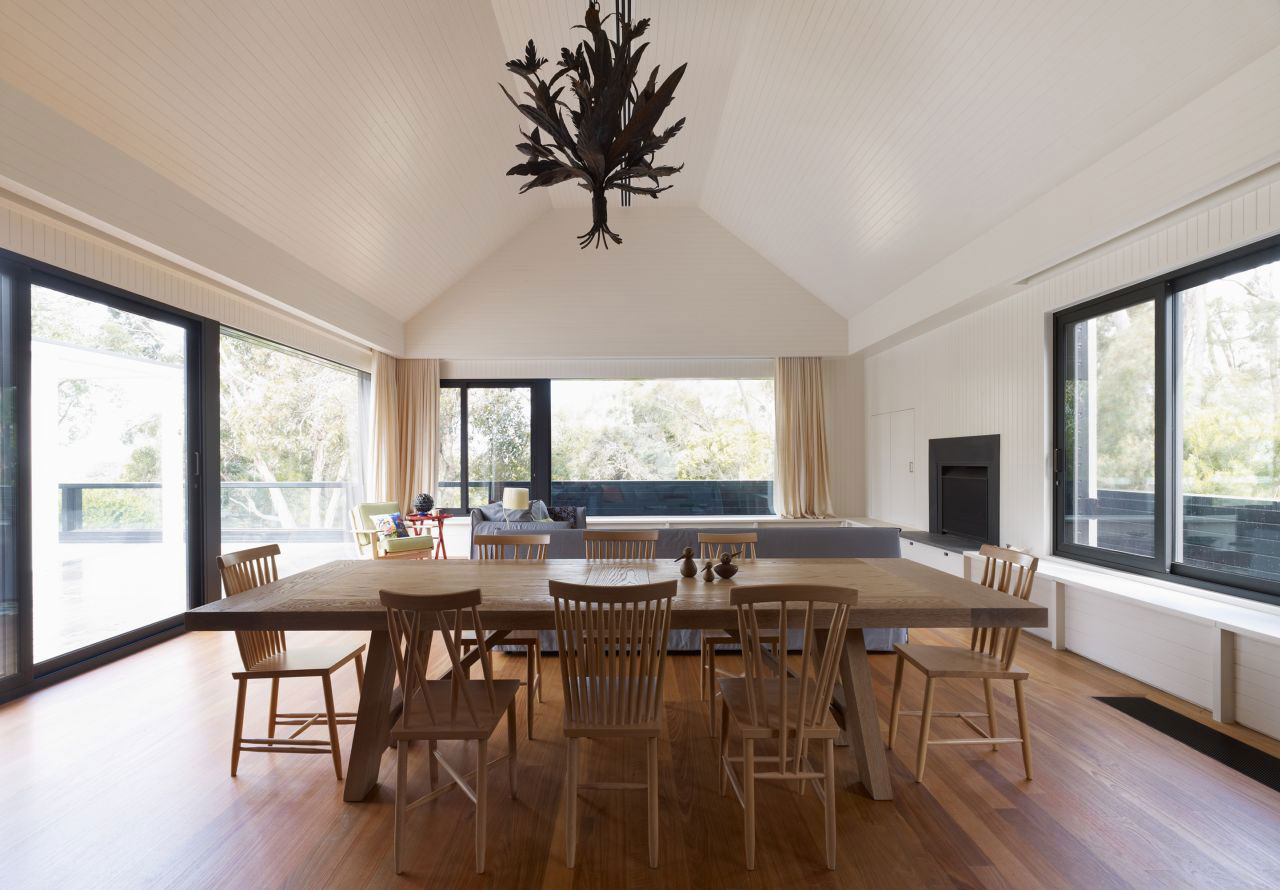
x=988 y=658
x=621 y=546
x=497 y=547
x=613 y=650
x=453 y=709
x=266 y=656
x=773 y=706
x=710 y=546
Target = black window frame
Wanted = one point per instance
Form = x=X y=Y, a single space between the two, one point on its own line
x=539 y=436
x=1163 y=291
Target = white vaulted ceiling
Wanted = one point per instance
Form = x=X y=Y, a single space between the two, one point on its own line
x=852 y=143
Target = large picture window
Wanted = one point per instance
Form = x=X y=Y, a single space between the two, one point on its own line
x=290 y=433
x=669 y=447
x=1167 y=437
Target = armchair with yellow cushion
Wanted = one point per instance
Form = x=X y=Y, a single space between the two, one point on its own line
x=368 y=538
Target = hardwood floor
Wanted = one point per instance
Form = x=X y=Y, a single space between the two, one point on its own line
x=119 y=778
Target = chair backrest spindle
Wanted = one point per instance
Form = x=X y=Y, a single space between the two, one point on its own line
x=413 y=620
x=613 y=647
x=712 y=544
x=621 y=546
x=1008 y=571
x=245 y=570
x=496 y=547
x=764 y=612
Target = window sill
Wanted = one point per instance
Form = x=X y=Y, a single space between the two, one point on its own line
x=692 y=521
x=1247 y=617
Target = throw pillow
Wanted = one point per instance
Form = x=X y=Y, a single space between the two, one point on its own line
x=390 y=525
x=563 y=514
x=492 y=512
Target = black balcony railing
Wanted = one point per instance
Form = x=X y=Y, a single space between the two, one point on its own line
x=664 y=497
x=1240 y=535
x=130 y=512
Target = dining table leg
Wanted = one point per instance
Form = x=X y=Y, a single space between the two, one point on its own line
x=854 y=704
x=379 y=707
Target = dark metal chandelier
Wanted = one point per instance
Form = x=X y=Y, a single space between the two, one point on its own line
x=612 y=137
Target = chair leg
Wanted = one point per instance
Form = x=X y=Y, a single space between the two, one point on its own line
x=402 y=796
x=926 y=715
x=482 y=803
x=652 y=790
x=360 y=671
x=530 y=685
x=896 y=704
x=537 y=662
x=749 y=799
x=333 y=725
x=571 y=805
x=239 y=730
x=724 y=748
x=271 y=714
x=829 y=793
x=991 y=711
x=511 y=744
x=702 y=667
x=433 y=767
x=1023 y=729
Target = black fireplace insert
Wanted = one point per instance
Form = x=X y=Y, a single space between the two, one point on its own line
x=964 y=489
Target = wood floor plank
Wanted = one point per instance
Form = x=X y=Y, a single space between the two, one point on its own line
x=119 y=778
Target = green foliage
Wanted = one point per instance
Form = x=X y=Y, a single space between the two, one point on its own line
x=1229 y=396
x=663 y=429
x=284 y=417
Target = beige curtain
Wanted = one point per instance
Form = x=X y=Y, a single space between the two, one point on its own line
x=802 y=490
x=418 y=391
x=406 y=422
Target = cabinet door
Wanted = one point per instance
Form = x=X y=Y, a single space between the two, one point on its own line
x=901 y=477
x=879 y=466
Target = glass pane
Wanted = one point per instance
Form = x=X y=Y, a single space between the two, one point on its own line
x=499 y=421
x=108 y=471
x=8 y=482
x=291 y=465
x=1110 y=459
x=449 y=488
x=674 y=447
x=1230 y=485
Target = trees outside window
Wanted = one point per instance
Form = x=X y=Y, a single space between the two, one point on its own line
x=1168 y=425
x=291 y=454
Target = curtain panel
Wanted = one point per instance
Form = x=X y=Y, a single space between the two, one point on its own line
x=802 y=489
x=406 y=427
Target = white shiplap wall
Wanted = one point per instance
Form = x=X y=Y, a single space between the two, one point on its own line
x=41 y=235
x=680 y=285
x=989 y=373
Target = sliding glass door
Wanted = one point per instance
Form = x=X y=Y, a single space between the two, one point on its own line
x=493 y=435
x=110 y=478
x=10 y=550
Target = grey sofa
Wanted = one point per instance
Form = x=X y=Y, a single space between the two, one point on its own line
x=773 y=542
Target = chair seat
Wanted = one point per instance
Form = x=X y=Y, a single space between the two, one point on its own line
x=609 y=724
x=957 y=661
x=409 y=544
x=461 y=725
x=315 y=661
x=734 y=693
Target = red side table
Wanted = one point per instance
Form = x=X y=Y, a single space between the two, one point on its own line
x=420 y=519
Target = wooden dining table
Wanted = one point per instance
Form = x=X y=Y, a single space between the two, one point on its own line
x=343 y=595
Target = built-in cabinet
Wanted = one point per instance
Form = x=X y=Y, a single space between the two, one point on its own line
x=892 y=467
x=949 y=561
